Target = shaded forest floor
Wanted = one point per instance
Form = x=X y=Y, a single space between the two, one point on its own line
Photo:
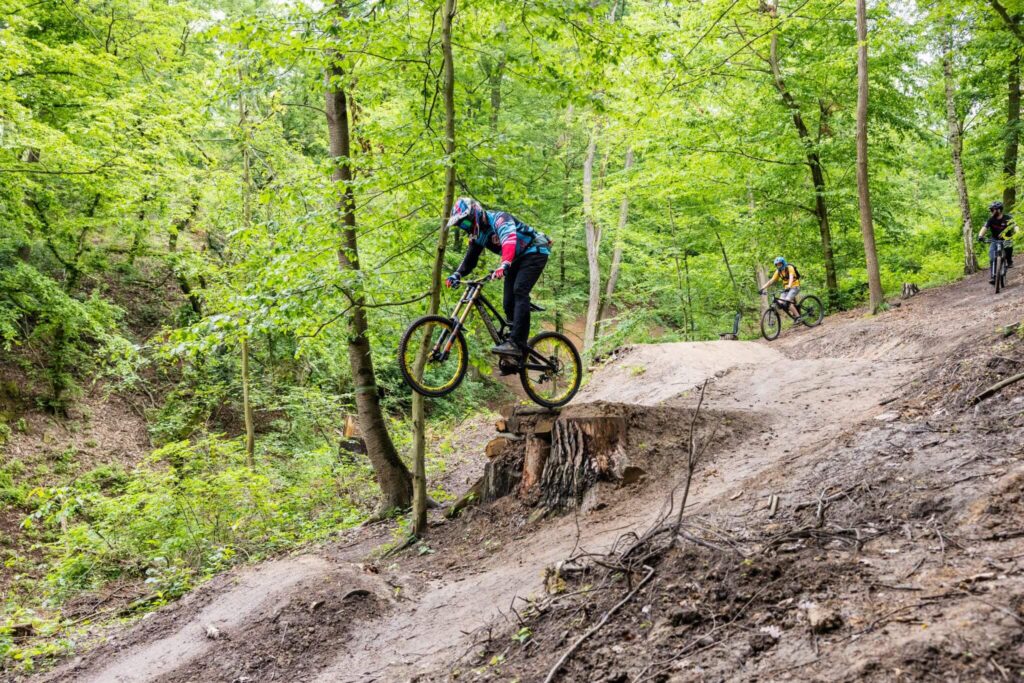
x=895 y=550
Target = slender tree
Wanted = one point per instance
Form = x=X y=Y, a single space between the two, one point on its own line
x=956 y=149
x=613 y=272
x=1012 y=134
x=813 y=161
x=392 y=474
x=593 y=232
x=1012 y=147
x=419 y=525
x=867 y=229
x=243 y=124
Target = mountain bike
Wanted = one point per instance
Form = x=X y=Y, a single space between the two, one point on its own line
x=550 y=370
x=997 y=266
x=809 y=307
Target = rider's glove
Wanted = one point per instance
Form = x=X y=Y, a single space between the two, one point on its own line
x=453 y=280
x=760 y=291
x=500 y=272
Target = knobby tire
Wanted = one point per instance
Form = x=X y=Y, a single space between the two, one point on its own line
x=771 y=324
x=577 y=370
x=407 y=374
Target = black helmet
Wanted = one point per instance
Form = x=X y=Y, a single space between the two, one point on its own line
x=995 y=206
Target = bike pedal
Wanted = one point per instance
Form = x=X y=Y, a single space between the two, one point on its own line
x=508 y=369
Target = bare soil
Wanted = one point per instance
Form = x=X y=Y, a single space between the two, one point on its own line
x=895 y=552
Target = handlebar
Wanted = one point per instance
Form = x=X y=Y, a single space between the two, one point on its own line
x=482 y=281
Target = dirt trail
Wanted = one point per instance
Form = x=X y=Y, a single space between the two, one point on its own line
x=805 y=393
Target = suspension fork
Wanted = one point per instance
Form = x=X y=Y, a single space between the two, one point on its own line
x=462 y=311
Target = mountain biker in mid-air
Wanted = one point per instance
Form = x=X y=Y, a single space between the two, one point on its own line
x=789 y=276
x=1001 y=226
x=524 y=253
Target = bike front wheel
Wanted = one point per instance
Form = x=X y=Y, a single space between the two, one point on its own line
x=811 y=310
x=1000 y=274
x=433 y=356
x=552 y=370
x=771 y=324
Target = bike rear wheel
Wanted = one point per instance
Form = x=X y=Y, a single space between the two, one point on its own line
x=811 y=310
x=552 y=370
x=771 y=324
x=445 y=358
x=1000 y=275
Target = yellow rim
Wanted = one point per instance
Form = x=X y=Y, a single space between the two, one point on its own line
x=558 y=386
x=435 y=376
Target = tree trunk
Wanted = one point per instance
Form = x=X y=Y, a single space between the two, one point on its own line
x=392 y=474
x=1012 y=137
x=593 y=242
x=682 y=301
x=613 y=273
x=728 y=267
x=761 y=277
x=139 y=238
x=817 y=173
x=419 y=523
x=689 y=297
x=179 y=227
x=250 y=431
x=494 y=78
x=867 y=228
x=566 y=142
x=956 y=146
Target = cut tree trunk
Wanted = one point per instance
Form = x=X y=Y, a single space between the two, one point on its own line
x=583 y=452
x=867 y=228
x=391 y=473
x=956 y=147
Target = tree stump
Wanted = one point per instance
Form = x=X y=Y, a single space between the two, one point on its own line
x=909 y=290
x=584 y=450
x=537 y=451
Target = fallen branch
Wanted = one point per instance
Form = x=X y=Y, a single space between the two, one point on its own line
x=597 y=627
x=996 y=387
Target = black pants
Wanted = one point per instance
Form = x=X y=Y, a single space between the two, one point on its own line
x=519 y=281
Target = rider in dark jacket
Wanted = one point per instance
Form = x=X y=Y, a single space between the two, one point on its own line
x=1001 y=226
x=524 y=253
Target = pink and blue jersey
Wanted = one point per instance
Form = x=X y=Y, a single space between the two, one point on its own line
x=504 y=234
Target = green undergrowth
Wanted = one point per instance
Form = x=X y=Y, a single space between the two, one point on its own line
x=190 y=510
x=187 y=512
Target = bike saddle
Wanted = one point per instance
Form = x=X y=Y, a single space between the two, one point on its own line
x=535 y=307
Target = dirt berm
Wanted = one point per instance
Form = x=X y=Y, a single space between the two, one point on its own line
x=856 y=516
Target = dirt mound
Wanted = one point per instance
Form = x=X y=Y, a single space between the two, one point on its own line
x=305 y=632
x=246 y=610
x=649 y=375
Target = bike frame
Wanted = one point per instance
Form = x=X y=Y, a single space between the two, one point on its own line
x=474 y=298
x=1000 y=253
x=783 y=305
